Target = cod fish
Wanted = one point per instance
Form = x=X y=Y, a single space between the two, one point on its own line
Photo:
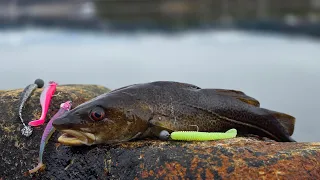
x=143 y=110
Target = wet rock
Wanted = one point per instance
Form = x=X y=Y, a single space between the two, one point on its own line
x=238 y=158
x=19 y=153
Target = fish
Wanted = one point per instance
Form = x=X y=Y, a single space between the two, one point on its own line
x=26 y=93
x=47 y=133
x=45 y=99
x=141 y=111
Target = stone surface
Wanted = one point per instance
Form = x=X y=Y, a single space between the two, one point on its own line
x=238 y=158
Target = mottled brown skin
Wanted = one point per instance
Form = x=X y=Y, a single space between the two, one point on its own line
x=143 y=110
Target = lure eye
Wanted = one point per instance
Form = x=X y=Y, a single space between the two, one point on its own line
x=97 y=114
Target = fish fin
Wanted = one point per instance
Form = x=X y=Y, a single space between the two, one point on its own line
x=175 y=84
x=161 y=125
x=157 y=124
x=291 y=139
x=287 y=121
x=238 y=95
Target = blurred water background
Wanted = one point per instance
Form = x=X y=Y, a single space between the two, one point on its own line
x=268 y=49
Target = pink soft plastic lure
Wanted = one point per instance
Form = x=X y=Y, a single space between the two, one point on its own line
x=48 y=131
x=45 y=100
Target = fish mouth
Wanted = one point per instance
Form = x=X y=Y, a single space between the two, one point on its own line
x=76 y=138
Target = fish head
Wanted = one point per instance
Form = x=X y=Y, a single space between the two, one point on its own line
x=105 y=120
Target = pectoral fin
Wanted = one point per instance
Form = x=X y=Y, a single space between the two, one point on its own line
x=239 y=95
x=162 y=122
x=159 y=123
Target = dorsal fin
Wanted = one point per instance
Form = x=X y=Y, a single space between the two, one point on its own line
x=239 y=95
x=174 y=84
x=287 y=121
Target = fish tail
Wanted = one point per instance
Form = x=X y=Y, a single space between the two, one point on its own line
x=291 y=139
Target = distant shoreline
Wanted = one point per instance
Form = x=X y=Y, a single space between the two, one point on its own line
x=280 y=27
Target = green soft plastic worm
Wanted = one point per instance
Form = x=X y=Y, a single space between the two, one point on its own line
x=202 y=136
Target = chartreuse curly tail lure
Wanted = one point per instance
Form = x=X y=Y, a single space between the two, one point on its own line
x=198 y=136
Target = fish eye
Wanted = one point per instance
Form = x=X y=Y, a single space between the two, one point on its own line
x=97 y=114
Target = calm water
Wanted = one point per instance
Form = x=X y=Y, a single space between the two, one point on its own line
x=283 y=73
